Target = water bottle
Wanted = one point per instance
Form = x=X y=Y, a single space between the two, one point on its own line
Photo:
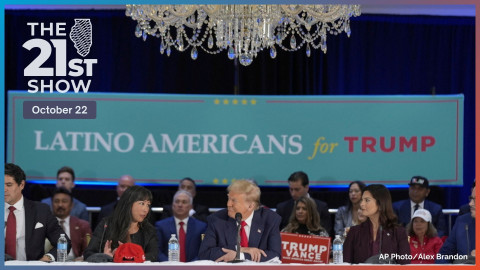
x=62 y=248
x=173 y=249
x=337 y=249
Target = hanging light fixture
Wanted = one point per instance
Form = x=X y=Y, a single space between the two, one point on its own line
x=241 y=30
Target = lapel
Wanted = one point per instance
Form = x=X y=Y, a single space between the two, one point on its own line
x=406 y=211
x=191 y=230
x=29 y=220
x=256 y=230
x=74 y=235
x=172 y=228
x=231 y=232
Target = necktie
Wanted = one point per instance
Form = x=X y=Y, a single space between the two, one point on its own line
x=181 y=239
x=11 y=234
x=62 y=224
x=415 y=208
x=243 y=235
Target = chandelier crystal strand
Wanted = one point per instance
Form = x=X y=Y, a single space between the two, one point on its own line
x=241 y=31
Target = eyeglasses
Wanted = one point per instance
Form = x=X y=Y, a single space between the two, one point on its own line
x=471 y=198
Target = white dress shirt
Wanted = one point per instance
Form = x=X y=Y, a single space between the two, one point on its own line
x=412 y=207
x=20 y=219
x=177 y=226
x=71 y=255
x=247 y=231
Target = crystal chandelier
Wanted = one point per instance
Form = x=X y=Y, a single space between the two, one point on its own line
x=241 y=30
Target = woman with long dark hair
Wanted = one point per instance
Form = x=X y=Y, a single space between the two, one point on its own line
x=347 y=215
x=305 y=218
x=380 y=233
x=129 y=223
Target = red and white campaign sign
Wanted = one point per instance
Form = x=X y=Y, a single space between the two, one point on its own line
x=304 y=248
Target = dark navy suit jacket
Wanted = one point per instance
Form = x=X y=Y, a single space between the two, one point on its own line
x=222 y=233
x=403 y=211
x=458 y=242
x=40 y=223
x=166 y=227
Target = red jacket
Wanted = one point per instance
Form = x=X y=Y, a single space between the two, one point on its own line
x=425 y=253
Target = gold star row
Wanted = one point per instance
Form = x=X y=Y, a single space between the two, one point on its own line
x=223 y=180
x=235 y=101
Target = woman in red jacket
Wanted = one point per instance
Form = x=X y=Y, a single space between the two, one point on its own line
x=379 y=235
x=424 y=242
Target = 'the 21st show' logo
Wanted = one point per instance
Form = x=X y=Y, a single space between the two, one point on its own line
x=53 y=52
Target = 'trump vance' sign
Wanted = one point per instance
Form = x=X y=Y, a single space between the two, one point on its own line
x=306 y=249
x=218 y=139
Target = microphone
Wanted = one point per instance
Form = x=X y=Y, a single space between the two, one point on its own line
x=101 y=239
x=238 y=218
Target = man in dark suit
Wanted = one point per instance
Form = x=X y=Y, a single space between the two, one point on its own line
x=192 y=229
x=124 y=182
x=260 y=234
x=418 y=191
x=198 y=211
x=299 y=184
x=461 y=240
x=78 y=230
x=28 y=223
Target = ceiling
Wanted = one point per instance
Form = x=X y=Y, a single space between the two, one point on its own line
x=439 y=10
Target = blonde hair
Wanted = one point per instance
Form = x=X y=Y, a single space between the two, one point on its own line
x=249 y=188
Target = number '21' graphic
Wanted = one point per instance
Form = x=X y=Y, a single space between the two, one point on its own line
x=35 y=67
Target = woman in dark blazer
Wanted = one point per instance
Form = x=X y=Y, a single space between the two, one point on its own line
x=129 y=223
x=380 y=233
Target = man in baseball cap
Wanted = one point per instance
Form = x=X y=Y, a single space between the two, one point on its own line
x=418 y=191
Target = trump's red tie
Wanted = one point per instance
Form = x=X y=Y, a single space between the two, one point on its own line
x=11 y=234
x=243 y=235
x=181 y=239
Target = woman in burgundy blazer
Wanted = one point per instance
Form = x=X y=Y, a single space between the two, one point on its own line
x=380 y=233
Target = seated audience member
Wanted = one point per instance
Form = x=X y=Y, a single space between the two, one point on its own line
x=305 y=219
x=66 y=179
x=424 y=242
x=464 y=209
x=461 y=240
x=129 y=223
x=418 y=191
x=260 y=235
x=124 y=182
x=78 y=230
x=347 y=215
x=188 y=229
x=380 y=233
x=198 y=211
x=298 y=185
x=28 y=223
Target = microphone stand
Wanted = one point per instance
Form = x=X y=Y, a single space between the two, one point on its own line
x=239 y=226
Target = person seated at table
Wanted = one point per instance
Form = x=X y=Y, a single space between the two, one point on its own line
x=423 y=238
x=305 y=219
x=260 y=228
x=380 y=233
x=461 y=240
x=129 y=223
x=188 y=229
x=347 y=215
